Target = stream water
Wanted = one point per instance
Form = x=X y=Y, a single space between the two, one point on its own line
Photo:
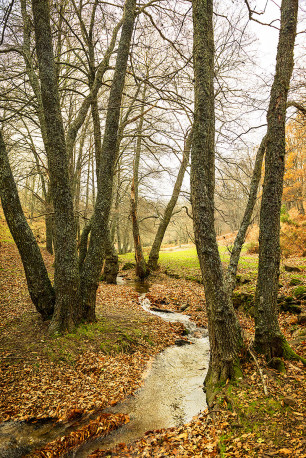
x=171 y=395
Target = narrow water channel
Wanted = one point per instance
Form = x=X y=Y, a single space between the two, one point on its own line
x=171 y=395
x=173 y=389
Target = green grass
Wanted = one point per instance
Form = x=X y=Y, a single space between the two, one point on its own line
x=185 y=263
x=5 y=234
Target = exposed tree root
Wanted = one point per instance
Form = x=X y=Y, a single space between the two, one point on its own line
x=217 y=376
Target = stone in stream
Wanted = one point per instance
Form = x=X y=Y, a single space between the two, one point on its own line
x=181 y=342
x=156 y=309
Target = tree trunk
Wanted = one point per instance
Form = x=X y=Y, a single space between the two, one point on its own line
x=240 y=237
x=93 y=263
x=223 y=326
x=49 y=223
x=84 y=243
x=141 y=268
x=268 y=336
x=49 y=233
x=67 y=311
x=111 y=264
x=39 y=285
x=154 y=253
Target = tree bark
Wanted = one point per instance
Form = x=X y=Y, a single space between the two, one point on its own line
x=154 y=253
x=39 y=285
x=93 y=263
x=111 y=262
x=141 y=268
x=49 y=223
x=240 y=237
x=84 y=243
x=67 y=311
x=223 y=326
x=49 y=233
x=268 y=336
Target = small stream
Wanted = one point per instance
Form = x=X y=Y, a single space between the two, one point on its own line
x=173 y=389
x=171 y=395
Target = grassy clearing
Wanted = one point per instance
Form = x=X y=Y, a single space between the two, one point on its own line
x=185 y=263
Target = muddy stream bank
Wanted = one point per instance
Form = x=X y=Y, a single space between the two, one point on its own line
x=171 y=395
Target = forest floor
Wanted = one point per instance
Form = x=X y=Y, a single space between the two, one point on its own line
x=72 y=378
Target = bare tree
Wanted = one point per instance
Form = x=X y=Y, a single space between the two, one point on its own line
x=39 y=285
x=268 y=336
x=224 y=329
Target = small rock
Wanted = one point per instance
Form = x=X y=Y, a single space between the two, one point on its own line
x=300 y=292
x=184 y=307
x=290 y=307
x=289 y=401
x=292 y=269
x=181 y=342
x=197 y=334
x=298 y=336
x=302 y=318
x=156 y=309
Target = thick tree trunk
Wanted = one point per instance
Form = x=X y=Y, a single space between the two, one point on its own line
x=93 y=263
x=111 y=261
x=67 y=312
x=39 y=285
x=240 y=237
x=154 y=253
x=268 y=336
x=223 y=326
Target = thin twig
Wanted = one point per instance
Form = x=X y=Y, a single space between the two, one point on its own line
x=260 y=373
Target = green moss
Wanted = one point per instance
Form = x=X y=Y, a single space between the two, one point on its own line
x=128 y=266
x=277 y=364
x=300 y=291
x=289 y=354
x=295 y=281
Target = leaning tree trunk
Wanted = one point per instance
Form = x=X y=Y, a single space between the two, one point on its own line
x=39 y=285
x=93 y=263
x=154 y=253
x=67 y=311
x=240 y=237
x=111 y=260
x=268 y=336
x=223 y=326
x=141 y=267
